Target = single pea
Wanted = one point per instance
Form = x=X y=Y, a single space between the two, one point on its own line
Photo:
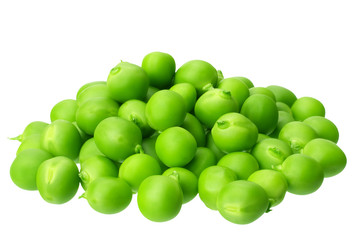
x=283 y=107
x=117 y=138
x=188 y=92
x=297 y=135
x=57 y=180
x=306 y=107
x=247 y=81
x=127 y=81
x=273 y=182
x=303 y=174
x=241 y=163
x=32 y=141
x=203 y=159
x=160 y=198
x=271 y=152
x=193 y=125
x=136 y=168
x=93 y=111
x=165 y=109
x=160 y=67
x=262 y=90
x=88 y=150
x=151 y=91
x=284 y=118
x=36 y=127
x=187 y=180
x=323 y=127
x=262 y=111
x=61 y=138
x=148 y=146
x=94 y=167
x=211 y=181
x=108 y=195
x=199 y=73
x=175 y=147
x=242 y=202
x=238 y=89
x=233 y=132
x=65 y=109
x=89 y=84
x=331 y=158
x=212 y=146
x=282 y=94
x=24 y=167
x=93 y=91
x=213 y=104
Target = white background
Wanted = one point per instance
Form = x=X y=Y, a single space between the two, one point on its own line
x=50 y=48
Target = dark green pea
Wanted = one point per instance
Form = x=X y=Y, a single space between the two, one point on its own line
x=323 y=127
x=93 y=91
x=241 y=163
x=212 y=146
x=188 y=92
x=35 y=127
x=282 y=94
x=306 y=107
x=88 y=150
x=238 y=89
x=65 y=109
x=193 y=125
x=262 y=90
x=203 y=159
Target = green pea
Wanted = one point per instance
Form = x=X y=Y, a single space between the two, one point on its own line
x=211 y=181
x=282 y=94
x=65 y=109
x=262 y=111
x=199 y=73
x=159 y=198
x=283 y=107
x=271 y=152
x=220 y=78
x=127 y=81
x=94 y=167
x=86 y=85
x=213 y=104
x=165 y=109
x=331 y=158
x=242 y=202
x=148 y=146
x=241 y=163
x=32 y=141
x=245 y=80
x=83 y=135
x=175 y=147
x=261 y=137
x=117 y=138
x=262 y=90
x=284 y=118
x=238 y=89
x=35 y=127
x=93 y=91
x=306 y=107
x=93 y=111
x=108 y=195
x=187 y=180
x=160 y=67
x=24 y=167
x=233 y=132
x=193 y=125
x=88 y=150
x=212 y=146
x=323 y=127
x=297 y=135
x=188 y=92
x=151 y=90
x=203 y=159
x=273 y=182
x=303 y=174
x=136 y=168
x=61 y=138
x=134 y=110
x=57 y=180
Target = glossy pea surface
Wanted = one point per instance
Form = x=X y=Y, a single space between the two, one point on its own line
x=188 y=92
x=210 y=144
x=93 y=91
x=323 y=127
x=241 y=163
x=203 y=159
x=193 y=125
x=238 y=89
x=65 y=109
x=263 y=91
x=305 y=107
x=32 y=128
x=89 y=149
x=32 y=141
x=282 y=94
x=87 y=85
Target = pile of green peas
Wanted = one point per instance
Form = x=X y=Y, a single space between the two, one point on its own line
x=166 y=135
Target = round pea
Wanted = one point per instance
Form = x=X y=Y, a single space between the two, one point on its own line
x=159 y=198
x=175 y=147
x=117 y=138
x=213 y=104
x=127 y=81
x=148 y=146
x=203 y=159
x=61 y=138
x=89 y=84
x=160 y=67
x=261 y=137
x=89 y=149
x=93 y=91
x=323 y=127
x=211 y=181
x=306 y=107
x=151 y=91
x=331 y=158
x=136 y=168
x=210 y=144
x=262 y=111
x=188 y=92
x=282 y=94
x=32 y=141
x=241 y=163
x=193 y=125
x=273 y=182
x=57 y=180
x=108 y=195
x=284 y=118
x=165 y=109
x=187 y=180
x=283 y=107
x=24 y=167
x=245 y=80
x=303 y=174
x=233 y=132
x=262 y=90
x=36 y=127
x=238 y=89
x=242 y=202
x=65 y=109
